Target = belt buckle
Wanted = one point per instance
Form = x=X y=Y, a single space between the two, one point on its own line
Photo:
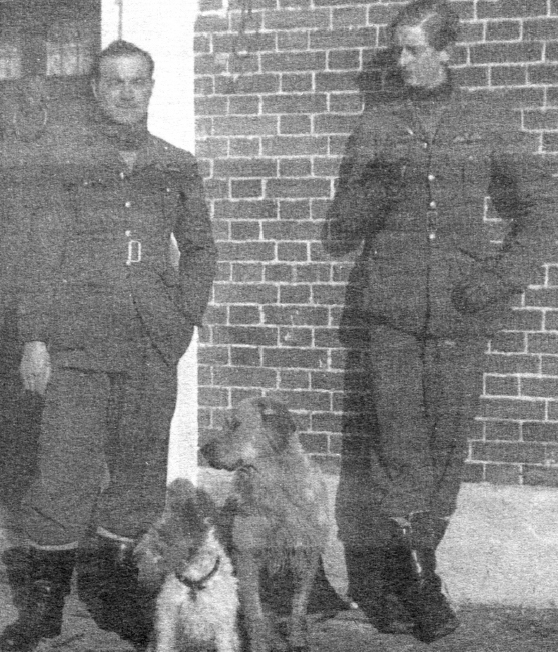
x=134 y=252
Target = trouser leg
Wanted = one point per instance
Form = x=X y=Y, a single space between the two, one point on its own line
x=137 y=447
x=58 y=506
x=397 y=378
x=142 y=405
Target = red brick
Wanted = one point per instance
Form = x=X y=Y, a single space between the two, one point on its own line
x=293 y=61
x=246 y=210
x=296 y=167
x=296 y=82
x=297 y=188
x=540 y=119
x=508 y=75
x=502 y=430
x=211 y=23
x=501 y=386
x=542 y=432
x=303 y=400
x=294 y=379
x=508 y=364
x=290 y=230
x=549 y=365
x=256 y=83
x=343 y=39
x=292 y=251
x=245 y=126
x=542 y=74
x=503 y=473
x=243 y=146
x=299 y=337
x=314 y=103
x=473 y=472
x=315 y=19
x=509 y=342
x=243 y=105
x=292 y=357
x=244 y=315
x=242 y=293
x=245 y=189
x=247 y=273
x=244 y=377
x=334 y=124
x=213 y=355
x=314 y=316
x=345 y=103
x=543 y=343
x=255 y=336
x=295 y=124
x=279 y=273
x=539 y=387
x=504 y=30
x=348 y=17
x=293 y=40
x=505 y=52
x=336 y=81
x=540 y=475
x=542 y=29
x=510 y=452
x=245 y=356
x=511 y=8
x=502 y=408
x=295 y=294
x=312 y=273
x=294 y=146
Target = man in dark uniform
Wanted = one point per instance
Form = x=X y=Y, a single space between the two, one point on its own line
x=105 y=318
x=430 y=172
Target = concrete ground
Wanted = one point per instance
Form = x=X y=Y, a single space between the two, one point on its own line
x=484 y=628
x=499 y=562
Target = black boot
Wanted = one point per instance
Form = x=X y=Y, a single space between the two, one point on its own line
x=48 y=582
x=422 y=592
x=108 y=585
x=371 y=586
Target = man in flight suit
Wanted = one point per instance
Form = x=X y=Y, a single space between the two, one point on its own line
x=429 y=172
x=105 y=319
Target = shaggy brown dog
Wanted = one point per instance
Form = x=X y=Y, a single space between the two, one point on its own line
x=280 y=519
x=182 y=561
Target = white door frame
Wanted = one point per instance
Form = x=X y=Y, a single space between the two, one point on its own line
x=165 y=28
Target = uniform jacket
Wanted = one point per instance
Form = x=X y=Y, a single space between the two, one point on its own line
x=453 y=225
x=101 y=272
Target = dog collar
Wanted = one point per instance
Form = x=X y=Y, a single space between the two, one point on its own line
x=199 y=585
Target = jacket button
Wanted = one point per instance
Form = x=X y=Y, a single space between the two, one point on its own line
x=432 y=204
x=122 y=175
x=127 y=204
x=431 y=177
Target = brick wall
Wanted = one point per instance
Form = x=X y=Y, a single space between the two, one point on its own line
x=276 y=96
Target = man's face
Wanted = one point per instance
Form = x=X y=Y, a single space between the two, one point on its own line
x=421 y=65
x=124 y=88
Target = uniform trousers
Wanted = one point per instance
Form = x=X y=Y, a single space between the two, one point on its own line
x=426 y=394
x=94 y=421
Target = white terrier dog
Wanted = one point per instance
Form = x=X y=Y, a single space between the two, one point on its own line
x=182 y=560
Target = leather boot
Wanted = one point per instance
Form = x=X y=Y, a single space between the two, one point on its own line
x=371 y=587
x=422 y=595
x=48 y=582
x=108 y=585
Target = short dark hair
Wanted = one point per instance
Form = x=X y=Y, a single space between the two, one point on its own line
x=120 y=49
x=438 y=19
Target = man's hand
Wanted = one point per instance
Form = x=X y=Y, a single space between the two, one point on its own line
x=35 y=367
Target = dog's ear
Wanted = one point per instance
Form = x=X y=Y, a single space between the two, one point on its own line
x=276 y=416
